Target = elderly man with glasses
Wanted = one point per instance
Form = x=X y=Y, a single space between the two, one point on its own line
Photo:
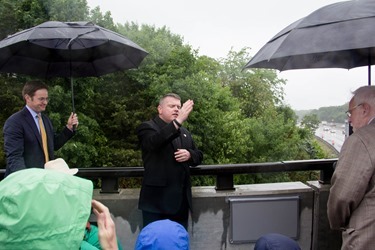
x=351 y=202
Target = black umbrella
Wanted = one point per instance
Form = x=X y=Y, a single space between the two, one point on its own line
x=340 y=35
x=68 y=49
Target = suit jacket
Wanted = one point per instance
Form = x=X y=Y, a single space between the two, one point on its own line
x=165 y=181
x=23 y=142
x=351 y=202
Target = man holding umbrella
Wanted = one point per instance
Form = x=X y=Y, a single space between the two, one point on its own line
x=29 y=138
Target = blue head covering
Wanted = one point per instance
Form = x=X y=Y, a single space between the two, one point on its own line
x=275 y=241
x=163 y=234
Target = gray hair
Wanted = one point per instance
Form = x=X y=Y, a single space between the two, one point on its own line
x=364 y=94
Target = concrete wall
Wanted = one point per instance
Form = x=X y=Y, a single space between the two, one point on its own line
x=209 y=225
x=323 y=236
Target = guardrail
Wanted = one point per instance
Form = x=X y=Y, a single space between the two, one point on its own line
x=224 y=173
x=329 y=145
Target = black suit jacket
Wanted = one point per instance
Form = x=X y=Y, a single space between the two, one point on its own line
x=23 y=142
x=165 y=180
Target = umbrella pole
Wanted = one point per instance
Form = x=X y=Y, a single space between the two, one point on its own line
x=71 y=80
x=369 y=69
x=71 y=74
x=369 y=75
x=72 y=90
x=73 y=107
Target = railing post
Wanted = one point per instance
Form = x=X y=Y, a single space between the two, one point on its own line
x=109 y=185
x=224 y=182
x=326 y=174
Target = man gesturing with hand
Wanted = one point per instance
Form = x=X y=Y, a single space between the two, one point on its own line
x=168 y=151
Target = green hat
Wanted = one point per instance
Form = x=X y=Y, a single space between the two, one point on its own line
x=43 y=209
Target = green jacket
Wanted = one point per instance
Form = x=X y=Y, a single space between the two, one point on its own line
x=91 y=239
x=43 y=209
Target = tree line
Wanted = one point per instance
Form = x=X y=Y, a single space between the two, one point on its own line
x=238 y=116
x=334 y=114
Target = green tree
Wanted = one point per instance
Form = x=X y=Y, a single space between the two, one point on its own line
x=310 y=122
x=17 y=15
x=331 y=114
x=66 y=10
x=256 y=89
x=238 y=114
x=105 y=20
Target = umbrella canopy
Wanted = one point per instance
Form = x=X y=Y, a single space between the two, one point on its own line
x=340 y=35
x=68 y=49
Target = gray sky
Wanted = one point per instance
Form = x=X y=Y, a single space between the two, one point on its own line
x=214 y=27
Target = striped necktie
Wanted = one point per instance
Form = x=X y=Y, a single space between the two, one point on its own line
x=44 y=137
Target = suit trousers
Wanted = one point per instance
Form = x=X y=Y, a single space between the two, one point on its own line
x=180 y=217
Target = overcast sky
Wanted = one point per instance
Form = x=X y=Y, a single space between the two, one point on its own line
x=214 y=27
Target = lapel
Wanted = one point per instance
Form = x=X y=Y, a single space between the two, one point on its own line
x=29 y=119
x=184 y=138
x=176 y=142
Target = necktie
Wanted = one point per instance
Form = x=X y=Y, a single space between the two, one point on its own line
x=44 y=137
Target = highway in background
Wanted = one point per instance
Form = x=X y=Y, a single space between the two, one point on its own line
x=332 y=133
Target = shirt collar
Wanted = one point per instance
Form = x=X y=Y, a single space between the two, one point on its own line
x=372 y=118
x=32 y=112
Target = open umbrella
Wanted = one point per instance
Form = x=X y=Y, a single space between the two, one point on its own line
x=68 y=49
x=339 y=35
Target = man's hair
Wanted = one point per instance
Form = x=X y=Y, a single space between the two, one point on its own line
x=173 y=95
x=31 y=87
x=364 y=94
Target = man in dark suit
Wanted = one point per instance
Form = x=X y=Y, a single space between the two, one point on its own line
x=168 y=150
x=23 y=143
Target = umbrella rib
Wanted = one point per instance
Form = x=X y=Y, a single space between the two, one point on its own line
x=79 y=35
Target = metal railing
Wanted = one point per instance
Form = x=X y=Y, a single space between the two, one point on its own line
x=224 y=173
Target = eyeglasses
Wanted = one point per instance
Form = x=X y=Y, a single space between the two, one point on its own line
x=349 y=111
x=43 y=99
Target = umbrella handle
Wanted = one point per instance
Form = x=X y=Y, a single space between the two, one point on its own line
x=73 y=106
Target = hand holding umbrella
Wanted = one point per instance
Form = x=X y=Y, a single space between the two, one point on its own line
x=72 y=123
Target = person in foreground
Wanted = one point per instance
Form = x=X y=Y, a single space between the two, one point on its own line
x=351 y=202
x=275 y=241
x=163 y=234
x=29 y=138
x=92 y=239
x=44 y=209
x=107 y=230
x=168 y=150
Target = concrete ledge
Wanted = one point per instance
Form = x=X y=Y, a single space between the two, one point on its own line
x=209 y=225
